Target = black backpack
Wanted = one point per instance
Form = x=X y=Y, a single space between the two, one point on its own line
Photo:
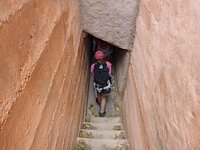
x=101 y=74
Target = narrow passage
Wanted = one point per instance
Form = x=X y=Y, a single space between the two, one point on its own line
x=102 y=133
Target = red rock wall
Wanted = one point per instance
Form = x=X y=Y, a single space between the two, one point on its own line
x=43 y=74
x=161 y=102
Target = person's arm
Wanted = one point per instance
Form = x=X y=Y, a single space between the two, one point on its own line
x=92 y=69
x=109 y=67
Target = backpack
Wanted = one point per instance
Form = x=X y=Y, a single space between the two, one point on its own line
x=101 y=74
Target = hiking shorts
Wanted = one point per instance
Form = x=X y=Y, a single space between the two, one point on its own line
x=105 y=90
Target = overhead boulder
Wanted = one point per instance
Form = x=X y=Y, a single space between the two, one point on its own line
x=112 y=21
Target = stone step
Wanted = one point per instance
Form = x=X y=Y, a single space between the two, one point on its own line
x=101 y=126
x=102 y=134
x=101 y=144
x=104 y=119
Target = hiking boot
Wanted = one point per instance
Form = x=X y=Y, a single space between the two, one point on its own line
x=102 y=114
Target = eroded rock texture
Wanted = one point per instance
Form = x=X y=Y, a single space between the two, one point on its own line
x=163 y=91
x=112 y=21
x=43 y=74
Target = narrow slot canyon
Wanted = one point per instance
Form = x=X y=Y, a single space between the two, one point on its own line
x=106 y=132
x=47 y=100
x=119 y=59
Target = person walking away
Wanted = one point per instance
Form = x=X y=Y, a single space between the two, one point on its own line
x=101 y=72
x=103 y=46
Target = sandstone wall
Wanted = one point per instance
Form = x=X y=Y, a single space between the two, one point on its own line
x=164 y=77
x=110 y=20
x=43 y=74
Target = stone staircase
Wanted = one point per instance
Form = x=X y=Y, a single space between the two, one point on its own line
x=102 y=134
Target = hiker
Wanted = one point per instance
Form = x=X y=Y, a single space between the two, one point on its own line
x=101 y=71
x=103 y=46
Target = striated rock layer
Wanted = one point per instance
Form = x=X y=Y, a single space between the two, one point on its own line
x=43 y=74
x=111 y=20
x=161 y=102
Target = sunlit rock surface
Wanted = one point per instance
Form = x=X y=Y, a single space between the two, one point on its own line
x=165 y=75
x=41 y=93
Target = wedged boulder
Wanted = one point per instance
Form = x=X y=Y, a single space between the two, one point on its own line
x=112 y=21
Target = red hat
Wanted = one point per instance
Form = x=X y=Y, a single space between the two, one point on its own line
x=99 y=55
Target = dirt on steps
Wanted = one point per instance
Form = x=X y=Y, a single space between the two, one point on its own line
x=102 y=134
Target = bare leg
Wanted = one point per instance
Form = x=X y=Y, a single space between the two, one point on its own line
x=103 y=103
x=99 y=98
